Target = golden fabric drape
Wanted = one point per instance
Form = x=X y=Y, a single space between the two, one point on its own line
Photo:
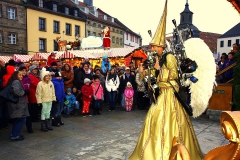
x=165 y=120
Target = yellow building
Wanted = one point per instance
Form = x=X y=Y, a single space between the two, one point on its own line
x=46 y=21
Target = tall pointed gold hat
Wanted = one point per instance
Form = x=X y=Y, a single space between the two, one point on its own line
x=159 y=37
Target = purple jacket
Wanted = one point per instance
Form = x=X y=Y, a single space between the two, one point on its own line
x=26 y=84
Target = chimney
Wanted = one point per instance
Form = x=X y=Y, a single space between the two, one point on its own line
x=88 y=2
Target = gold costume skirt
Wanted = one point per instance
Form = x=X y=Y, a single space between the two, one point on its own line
x=165 y=120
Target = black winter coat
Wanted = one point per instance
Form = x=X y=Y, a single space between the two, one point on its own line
x=123 y=82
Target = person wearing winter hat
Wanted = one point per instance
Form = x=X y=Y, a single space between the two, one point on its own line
x=10 y=68
x=51 y=58
x=105 y=63
x=97 y=94
x=34 y=108
x=69 y=104
x=45 y=95
x=128 y=96
x=26 y=84
x=87 y=93
x=58 y=83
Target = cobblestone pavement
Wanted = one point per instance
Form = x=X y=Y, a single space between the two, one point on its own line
x=109 y=136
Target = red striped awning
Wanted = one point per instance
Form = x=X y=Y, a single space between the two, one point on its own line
x=5 y=58
x=24 y=58
x=39 y=55
x=67 y=54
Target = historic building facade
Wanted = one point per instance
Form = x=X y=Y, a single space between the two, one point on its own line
x=97 y=20
x=12 y=27
x=47 y=20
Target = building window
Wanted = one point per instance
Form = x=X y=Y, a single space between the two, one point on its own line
x=0 y=10
x=113 y=39
x=237 y=41
x=88 y=33
x=56 y=27
x=94 y=25
x=66 y=10
x=221 y=43
x=117 y=40
x=88 y=22
x=55 y=45
x=121 y=32
x=12 y=38
x=126 y=36
x=113 y=30
x=77 y=30
x=229 y=43
x=76 y=13
x=40 y=3
x=94 y=33
x=117 y=31
x=42 y=24
x=99 y=34
x=55 y=7
x=121 y=41
x=1 y=37
x=99 y=25
x=42 y=44
x=68 y=29
x=11 y=13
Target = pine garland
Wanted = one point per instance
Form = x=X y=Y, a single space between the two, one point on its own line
x=236 y=83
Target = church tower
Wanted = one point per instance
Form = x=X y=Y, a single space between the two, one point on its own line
x=186 y=22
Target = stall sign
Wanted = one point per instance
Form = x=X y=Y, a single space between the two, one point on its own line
x=91 y=42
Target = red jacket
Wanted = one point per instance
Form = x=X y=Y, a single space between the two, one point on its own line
x=10 y=70
x=86 y=92
x=32 y=88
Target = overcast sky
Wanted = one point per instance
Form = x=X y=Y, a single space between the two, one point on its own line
x=216 y=16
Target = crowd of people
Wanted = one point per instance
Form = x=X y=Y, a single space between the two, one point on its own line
x=46 y=94
x=225 y=61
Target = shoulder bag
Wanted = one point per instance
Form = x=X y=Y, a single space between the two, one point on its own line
x=7 y=94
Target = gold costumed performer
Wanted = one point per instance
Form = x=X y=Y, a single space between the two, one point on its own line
x=166 y=118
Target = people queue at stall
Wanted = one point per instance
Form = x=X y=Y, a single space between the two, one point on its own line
x=48 y=93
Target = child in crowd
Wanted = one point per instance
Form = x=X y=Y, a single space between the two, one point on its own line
x=128 y=93
x=97 y=94
x=45 y=94
x=87 y=93
x=69 y=103
x=77 y=94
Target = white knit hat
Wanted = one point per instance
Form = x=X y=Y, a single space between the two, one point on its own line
x=129 y=83
x=86 y=80
x=43 y=73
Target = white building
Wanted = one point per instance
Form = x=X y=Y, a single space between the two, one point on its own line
x=131 y=39
x=225 y=42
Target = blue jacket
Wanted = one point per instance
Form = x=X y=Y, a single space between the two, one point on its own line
x=104 y=67
x=228 y=74
x=59 y=89
x=71 y=99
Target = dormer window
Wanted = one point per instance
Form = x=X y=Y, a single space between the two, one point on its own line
x=105 y=17
x=112 y=19
x=76 y=13
x=40 y=3
x=66 y=10
x=55 y=7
